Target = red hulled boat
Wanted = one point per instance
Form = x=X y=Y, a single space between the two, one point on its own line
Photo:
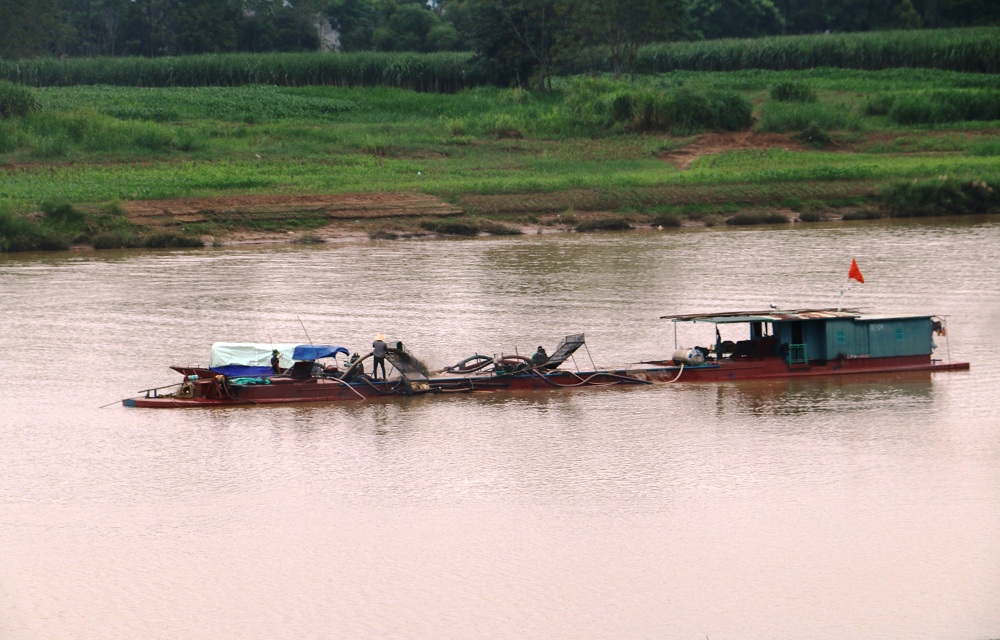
x=809 y=342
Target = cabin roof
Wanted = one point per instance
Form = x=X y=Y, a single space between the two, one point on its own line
x=770 y=315
x=785 y=315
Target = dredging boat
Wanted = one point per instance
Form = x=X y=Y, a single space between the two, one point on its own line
x=809 y=342
x=240 y=374
x=260 y=374
x=797 y=343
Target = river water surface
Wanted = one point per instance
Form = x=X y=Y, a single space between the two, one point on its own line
x=857 y=508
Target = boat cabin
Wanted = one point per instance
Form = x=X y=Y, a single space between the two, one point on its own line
x=805 y=336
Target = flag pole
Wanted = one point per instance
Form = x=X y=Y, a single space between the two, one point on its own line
x=840 y=300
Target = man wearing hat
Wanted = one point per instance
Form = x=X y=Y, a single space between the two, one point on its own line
x=378 y=355
x=275 y=362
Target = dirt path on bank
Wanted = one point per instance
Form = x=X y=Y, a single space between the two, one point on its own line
x=721 y=142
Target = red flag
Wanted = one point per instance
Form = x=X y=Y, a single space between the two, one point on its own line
x=855 y=273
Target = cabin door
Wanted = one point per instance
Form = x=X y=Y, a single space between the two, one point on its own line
x=798 y=353
x=797 y=333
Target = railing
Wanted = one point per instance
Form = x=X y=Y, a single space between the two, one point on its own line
x=797 y=354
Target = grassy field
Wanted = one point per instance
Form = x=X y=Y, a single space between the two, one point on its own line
x=821 y=140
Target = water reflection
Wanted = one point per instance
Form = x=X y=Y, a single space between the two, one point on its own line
x=899 y=394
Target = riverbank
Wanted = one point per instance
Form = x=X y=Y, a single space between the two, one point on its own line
x=188 y=166
x=398 y=215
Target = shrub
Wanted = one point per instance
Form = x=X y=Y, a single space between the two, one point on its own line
x=750 y=218
x=628 y=107
x=792 y=92
x=862 y=214
x=942 y=196
x=813 y=136
x=505 y=126
x=19 y=233
x=62 y=214
x=604 y=224
x=10 y=137
x=665 y=220
x=878 y=105
x=691 y=113
x=498 y=229
x=451 y=227
x=796 y=116
x=918 y=109
x=939 y=107
x=988 y=147
x=168 y=240
x=811 y=216
x=731 y=111
x=116 y=239
x=17 y=100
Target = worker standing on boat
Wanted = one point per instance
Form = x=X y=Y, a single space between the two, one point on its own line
x=275 y=362
x=378 y=355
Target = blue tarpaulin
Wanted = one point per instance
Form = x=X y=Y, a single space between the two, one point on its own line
x=317 y=351
x=231 y=370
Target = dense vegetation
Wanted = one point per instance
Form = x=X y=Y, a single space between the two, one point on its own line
x=514 y=42
x=183 y=27
x=853 y=143
x=975 y=50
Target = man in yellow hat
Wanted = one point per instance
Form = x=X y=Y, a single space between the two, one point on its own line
x=378 y=355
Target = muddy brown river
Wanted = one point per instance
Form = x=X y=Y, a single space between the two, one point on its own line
x=822 y=509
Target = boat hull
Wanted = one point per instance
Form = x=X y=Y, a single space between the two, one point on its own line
x=776 y=368
x=211 y=391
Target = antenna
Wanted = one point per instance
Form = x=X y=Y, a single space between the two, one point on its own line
x=307 y=336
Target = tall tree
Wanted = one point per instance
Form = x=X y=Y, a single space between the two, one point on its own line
x=623 y=26
x=265 y=25
x=735 y=18
x=202 y=26
x=354 y=21
x=514 y=40
x=31 y=28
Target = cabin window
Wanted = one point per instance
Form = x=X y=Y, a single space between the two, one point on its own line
x=841 y=337
x=899 y=333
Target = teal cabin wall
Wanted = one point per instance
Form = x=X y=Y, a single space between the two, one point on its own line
x=878 y=338
x=899 y=337
x=842 y=338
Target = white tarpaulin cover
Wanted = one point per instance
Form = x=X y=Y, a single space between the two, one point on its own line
x=249 y=354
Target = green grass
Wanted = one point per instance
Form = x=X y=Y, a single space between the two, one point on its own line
x=93 y=145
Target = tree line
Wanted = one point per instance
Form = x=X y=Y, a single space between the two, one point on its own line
x=519 y=41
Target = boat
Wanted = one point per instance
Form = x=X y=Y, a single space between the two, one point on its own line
x=798 y=343
x=242 y=374
x=808 y=342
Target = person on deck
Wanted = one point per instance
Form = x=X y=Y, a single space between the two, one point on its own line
x=378 y=355
x=275 y=362
x=539 y=357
